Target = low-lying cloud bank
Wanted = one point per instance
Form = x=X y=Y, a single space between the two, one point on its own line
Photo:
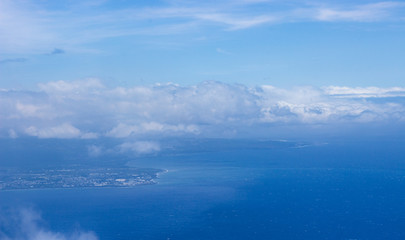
x=88 y=109
x=25 y=224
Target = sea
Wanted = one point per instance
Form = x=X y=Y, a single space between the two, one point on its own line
x=230 y=189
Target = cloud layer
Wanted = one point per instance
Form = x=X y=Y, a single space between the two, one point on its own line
x=88 y=109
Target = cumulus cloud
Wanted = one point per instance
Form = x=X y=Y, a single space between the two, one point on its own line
x=25 y=224
x=88 y=109
x=75 y=87
x=311 y=105
x=62 y=131
x=124 y=130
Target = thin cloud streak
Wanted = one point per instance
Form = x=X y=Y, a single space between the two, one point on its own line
x=13 y=60
x=362 y=13
x=26 y=224
x=24 y=30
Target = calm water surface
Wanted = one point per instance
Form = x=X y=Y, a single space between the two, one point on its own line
x=338 y=190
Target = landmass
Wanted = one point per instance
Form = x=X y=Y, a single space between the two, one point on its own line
x=77 y=178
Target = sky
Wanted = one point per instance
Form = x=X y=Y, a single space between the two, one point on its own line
x=125 y=69
x=253 y=42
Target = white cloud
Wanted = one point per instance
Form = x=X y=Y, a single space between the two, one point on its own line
x=31 y=27
x=12 y=133
x=94 y=151
x=124 y=130
x=25 y=225
x=74 y=87
x=330 y=105
x=87 y=109
x=65 y=130
x=235 y=23
x=22 y=28
x=89 y=135
x=222 y=51
x=366 y=12
x=347 y=92
x=140 y=147
x=31 y=110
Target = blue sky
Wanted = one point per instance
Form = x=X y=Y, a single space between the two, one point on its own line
x=252 y=42
x=140 y=69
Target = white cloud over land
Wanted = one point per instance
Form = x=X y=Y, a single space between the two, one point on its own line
x=88 y=109
x=140 y=147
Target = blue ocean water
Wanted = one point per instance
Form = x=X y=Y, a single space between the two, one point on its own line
x=336 y=190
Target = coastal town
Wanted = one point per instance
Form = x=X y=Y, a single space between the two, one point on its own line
x=76 y=178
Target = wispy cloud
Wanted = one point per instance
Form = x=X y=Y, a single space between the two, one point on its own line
x=234 y=22
x=11 y=60
x=25 y=224
x=140 y=147
x=57 y=51
x=23 y=28
x=28 y=26
x=365 y=92
x=94 y=151
x=88 y=109
x=222 y=51
x=362 y=13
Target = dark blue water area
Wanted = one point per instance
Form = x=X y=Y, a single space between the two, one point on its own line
x=339 y=190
